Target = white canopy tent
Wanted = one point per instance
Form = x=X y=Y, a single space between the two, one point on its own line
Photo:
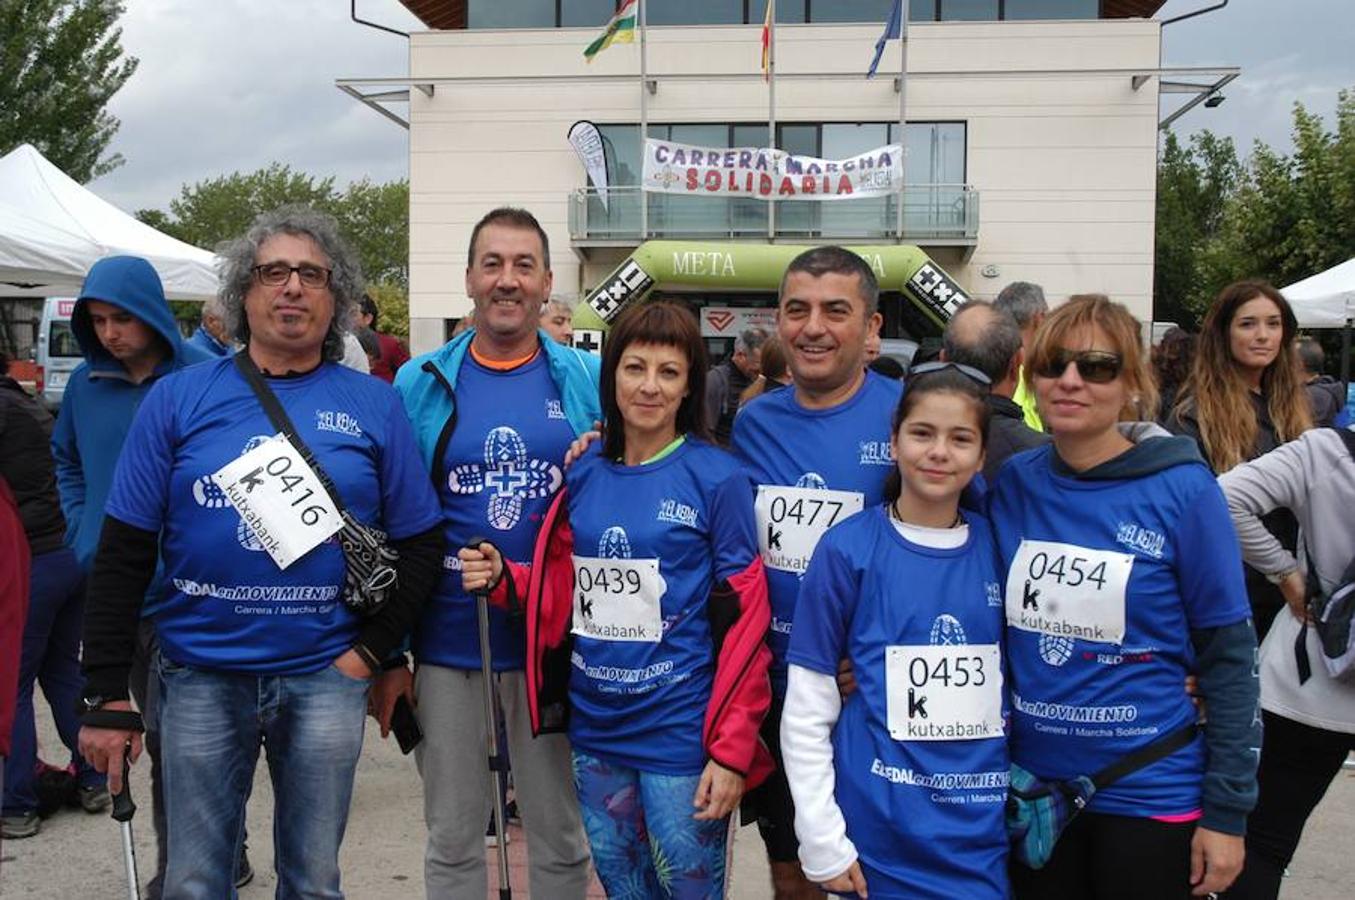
x=1325 y=300
x=53 y=229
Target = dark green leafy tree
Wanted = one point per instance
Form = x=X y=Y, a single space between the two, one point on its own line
x=1194 y=183
x=374 y=217
x=61 y=61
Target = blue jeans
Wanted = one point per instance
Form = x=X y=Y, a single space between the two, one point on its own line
x=212 y=725
x=51 y=658
x=645 y=843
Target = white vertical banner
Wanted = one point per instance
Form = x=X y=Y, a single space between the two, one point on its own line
x=587 y=142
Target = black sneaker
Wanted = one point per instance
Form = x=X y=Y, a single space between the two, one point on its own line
x=244 y=872
x=95 y=799
x=18 y=827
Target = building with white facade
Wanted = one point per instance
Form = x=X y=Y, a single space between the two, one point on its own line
x=1031 y=131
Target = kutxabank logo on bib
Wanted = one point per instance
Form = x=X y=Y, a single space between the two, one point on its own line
x=508 y=476
x=208 y=495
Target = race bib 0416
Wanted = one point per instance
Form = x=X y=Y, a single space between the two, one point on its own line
x=790 y=521
x=944 y=692
x=281 y=499
x=618 y=599
x=1068 y=591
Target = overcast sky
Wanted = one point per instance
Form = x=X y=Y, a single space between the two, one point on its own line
x=233 y=85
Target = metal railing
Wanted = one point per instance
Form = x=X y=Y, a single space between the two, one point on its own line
x=931 y=213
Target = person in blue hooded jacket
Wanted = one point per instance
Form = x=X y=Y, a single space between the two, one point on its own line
x=494 y=412
x=130 y=340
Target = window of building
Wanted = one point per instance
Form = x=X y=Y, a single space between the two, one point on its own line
x=968 y=10
x=586 y=13
x=511 y=14
x=1051 y=9
x=695 y=12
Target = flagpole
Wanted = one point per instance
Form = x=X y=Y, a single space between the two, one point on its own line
x=903 y=112
x=644 y=125
x=771 y=107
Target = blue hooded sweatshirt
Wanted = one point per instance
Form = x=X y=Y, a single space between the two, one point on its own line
x=101 y=400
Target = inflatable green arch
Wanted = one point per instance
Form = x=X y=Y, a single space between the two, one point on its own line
x=735 y=266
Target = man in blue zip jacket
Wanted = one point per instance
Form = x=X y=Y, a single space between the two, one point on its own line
x=494 y=412
x=128 y=335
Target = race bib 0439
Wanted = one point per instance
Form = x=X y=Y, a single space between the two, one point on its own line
x=1069 y=591
x=281 y=499
x=790 y=521
x=618 y=599
x=944 y=692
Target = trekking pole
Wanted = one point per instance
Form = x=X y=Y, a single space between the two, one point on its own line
x=496 y=758
x=123 y=810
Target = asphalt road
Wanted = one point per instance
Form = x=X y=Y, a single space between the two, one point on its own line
x=79 y=856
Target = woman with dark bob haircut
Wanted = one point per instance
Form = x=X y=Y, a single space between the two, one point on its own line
x=1245 y=397
x=646 y=614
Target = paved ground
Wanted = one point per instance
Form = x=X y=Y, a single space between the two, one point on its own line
x=79 y=857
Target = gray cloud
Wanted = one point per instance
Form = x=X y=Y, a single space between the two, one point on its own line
x=237 y=84
x=1296 y=51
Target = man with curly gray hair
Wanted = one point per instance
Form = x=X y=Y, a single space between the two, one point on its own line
x=265 y=643
x=342 y=275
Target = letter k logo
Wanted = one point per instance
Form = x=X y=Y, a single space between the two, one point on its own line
x=773 y=538
x=585 y=606
x=917 y=706
x=1029 y=596
x=252 y=480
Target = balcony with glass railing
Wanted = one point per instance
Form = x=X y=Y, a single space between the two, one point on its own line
x=933 y=214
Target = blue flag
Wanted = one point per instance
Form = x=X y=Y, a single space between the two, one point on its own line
x=893 y=30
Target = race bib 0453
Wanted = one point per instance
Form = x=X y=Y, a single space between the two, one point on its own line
x=944 y=692
x=281 y=499
x=1069 y=591
x=790 y=521
x=618 y=599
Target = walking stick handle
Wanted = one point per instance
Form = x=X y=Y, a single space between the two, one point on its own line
x=123 y=807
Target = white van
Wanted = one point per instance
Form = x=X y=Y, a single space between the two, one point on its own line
x=58 y=352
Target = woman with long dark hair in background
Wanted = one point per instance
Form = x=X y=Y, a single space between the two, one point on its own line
x=1245 y=397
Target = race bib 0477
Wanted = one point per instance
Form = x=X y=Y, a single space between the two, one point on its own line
x=1068 y=591
x=790 y=521
x=618 y=599
x=281 y=499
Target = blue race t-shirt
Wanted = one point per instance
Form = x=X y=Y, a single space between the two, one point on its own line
x=227 y=605
x=919 y=749
x=833 y=463
x=502 y=467
x=1104 y=581
x=642 y=672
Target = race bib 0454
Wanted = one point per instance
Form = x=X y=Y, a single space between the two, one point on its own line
x=618 y=599
x=281 y=499
x=790 y=521
x=944 y=692
x=1069 y=591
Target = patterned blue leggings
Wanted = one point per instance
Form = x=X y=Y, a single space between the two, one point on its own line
x=645 y=842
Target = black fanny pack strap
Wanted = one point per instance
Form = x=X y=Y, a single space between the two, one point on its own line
x=1146 y=756
x=282 y=422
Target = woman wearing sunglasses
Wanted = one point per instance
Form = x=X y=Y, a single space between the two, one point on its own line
x=1123 y=576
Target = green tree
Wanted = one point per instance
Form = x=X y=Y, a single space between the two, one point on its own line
x=61 y=61
x=209 y=212
x=1291 y=216
x=1194 y=184
x=374 y=217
